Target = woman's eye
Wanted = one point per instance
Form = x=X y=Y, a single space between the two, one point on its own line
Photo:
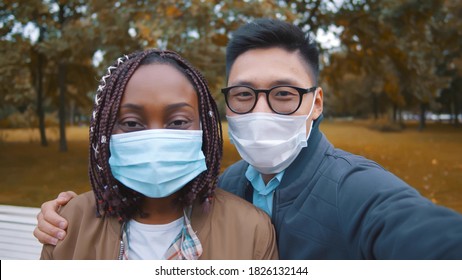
x=130 y=125
x=179 y=124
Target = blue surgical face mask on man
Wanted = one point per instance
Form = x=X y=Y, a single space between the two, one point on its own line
x=157 y=162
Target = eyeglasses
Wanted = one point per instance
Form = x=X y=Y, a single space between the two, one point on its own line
x=283 y=100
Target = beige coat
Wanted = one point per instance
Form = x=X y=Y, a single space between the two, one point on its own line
x=233 y=229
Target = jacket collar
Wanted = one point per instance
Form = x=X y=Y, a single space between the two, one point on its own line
x=199 y=218
x=303 y=169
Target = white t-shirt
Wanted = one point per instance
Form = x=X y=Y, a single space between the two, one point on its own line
x=150 y=242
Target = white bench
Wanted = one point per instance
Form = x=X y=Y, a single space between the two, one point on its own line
x=17 y=241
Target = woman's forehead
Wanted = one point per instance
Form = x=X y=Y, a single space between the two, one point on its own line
x=159 y=83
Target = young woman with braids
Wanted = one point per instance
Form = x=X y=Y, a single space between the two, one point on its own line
x=155 y=150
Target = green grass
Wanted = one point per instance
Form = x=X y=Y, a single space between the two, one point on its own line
x=431 y=160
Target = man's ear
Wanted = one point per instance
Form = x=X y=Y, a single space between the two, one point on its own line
x=318 y=104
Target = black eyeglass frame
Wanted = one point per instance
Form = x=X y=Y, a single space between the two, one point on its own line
x=301 y=92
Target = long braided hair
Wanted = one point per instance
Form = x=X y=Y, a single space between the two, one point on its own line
x=114 y=199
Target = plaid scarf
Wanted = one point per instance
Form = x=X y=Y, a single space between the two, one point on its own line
x=185 y=246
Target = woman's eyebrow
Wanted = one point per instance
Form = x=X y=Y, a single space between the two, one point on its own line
x=175 y=106
x=132 y=106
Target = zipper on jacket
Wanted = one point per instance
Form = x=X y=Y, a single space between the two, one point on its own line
x=121 y=250
x=122 y=244
x=273 y=216
x=248 y=192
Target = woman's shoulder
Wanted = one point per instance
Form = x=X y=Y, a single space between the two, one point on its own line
x=235 y=229
x=80 y=210
x=236 y=208
x=79 y=205
x=84 y=231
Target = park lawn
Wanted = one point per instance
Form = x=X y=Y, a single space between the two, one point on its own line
x=431 y=160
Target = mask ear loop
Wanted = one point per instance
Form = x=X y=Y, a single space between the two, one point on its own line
x=312 y=104
x=309 y=115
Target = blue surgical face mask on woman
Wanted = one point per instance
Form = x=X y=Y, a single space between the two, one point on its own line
x=157 y=162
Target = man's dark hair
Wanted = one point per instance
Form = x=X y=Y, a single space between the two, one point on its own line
x=268 y=33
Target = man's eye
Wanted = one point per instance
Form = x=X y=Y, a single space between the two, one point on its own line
x=242 y=95
x=284 y=93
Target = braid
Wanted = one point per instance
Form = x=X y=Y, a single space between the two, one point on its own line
x=114 y=199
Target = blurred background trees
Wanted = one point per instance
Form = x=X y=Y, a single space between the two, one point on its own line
x=393 y=59
x=403 y=52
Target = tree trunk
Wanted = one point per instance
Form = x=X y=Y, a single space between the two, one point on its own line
x=456 y=108
x=62 y=106
x=71 y=112
x=395 y=112
x=39 y=90
x=62 y=68
x=375 y=106
x=423 y=110
x=400 y=119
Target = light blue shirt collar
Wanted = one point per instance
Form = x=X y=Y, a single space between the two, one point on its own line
x=263 y=194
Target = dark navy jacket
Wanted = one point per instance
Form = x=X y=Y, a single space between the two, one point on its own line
x=335 y=205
